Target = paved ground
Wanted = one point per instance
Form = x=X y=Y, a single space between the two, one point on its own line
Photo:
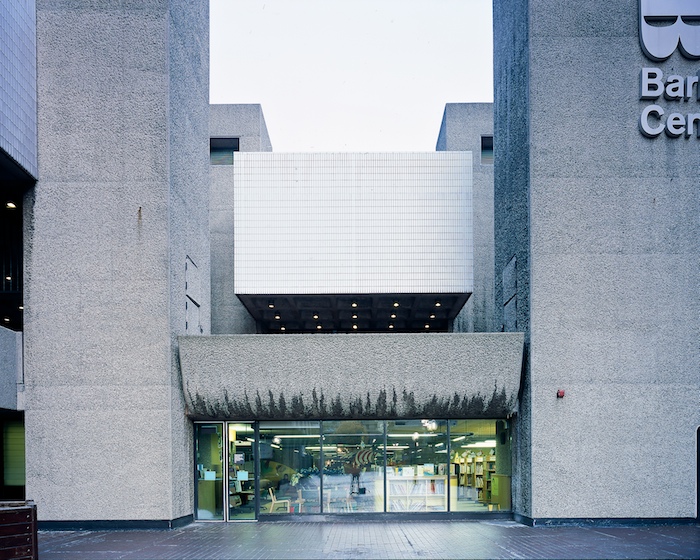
x=405 y=539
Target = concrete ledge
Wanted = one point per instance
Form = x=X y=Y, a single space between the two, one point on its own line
x=117 y=525
x=603 y=521
x=441 y=375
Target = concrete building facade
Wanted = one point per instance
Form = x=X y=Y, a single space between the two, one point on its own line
x=134 y=361
x=118 y=213
x=597 y=243
x=469 y=127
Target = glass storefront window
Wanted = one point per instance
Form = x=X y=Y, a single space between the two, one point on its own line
x=352 y=466
x=209 y=464
x=417 y=465
x=290 y=480
x=480 y=465
x=353 y=471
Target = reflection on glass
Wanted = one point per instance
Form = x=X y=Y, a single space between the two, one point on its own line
x=289 y=468
x=209 y=462
x=417 y=463
x=480 y=465
x=241 y=471
x=353 y=470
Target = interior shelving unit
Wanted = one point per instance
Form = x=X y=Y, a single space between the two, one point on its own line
x=417 y=493
x=477 y=473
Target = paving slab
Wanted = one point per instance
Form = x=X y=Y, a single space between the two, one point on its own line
x=376 y=539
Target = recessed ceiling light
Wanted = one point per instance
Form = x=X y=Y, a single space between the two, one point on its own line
x=391 y=325
x=7 y=319
x=437 y=303
x=427 y=326
x=278 y=316
x=432 y=315
x=354 y=315
x=271 y=304
x=393 y=315
x=354 y=327
x=396 y=304
x=283 y=328
x=319 y=327
x=21 y=307
x=353 y=304
x=8 y=278
x=10 y=204
x=315 y=315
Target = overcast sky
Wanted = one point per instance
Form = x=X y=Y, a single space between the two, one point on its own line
x=351 y=75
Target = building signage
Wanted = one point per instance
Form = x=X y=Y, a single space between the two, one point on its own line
x=666 y=26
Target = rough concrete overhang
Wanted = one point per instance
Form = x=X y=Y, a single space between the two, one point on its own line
x=440 y=375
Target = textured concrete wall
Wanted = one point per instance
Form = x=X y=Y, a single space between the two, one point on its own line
x=111 y=222
x=18 y=83
x=244 y=121
x=352 y=376
x=614 y=282
x=10 y=367
x=247 y=123
x=188 y=120
x=463 y=125
x=511 y=209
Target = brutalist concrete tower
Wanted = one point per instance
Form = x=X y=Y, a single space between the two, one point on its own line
x=117 y=256
x=597 y=236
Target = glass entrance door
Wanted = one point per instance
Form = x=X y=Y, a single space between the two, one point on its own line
x=209 y=456
x=242 y=493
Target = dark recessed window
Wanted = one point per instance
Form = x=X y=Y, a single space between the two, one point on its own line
x=487 y=150
x=221 y=150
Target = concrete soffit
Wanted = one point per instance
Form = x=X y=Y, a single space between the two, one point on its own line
x=439 y=375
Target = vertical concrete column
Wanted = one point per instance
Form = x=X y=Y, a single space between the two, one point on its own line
x=605 y=215
x=121 y=203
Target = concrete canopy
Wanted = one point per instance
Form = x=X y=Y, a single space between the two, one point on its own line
x=441 y=375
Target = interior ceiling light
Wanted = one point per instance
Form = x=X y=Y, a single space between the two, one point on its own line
x=271 y=304
x=354 y=327
x=427 y=326
x=7 y=319
x=391 y=325
x=437 y=303
x=315 y=315
x=354 y=315
x=278 y=316
x=21 y=307
x=10 y=205
x=319 y=327
x=432 y=315
x=393 y=315
x=353 y=304
x=8 y=278
x=283 y=328
x=396 y=304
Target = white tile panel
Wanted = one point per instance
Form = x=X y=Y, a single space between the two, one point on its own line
x=351 y=223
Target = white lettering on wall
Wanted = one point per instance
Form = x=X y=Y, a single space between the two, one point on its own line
x=664 y=27
x=675 y=88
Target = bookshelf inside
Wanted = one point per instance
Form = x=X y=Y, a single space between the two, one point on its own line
x=417 y=493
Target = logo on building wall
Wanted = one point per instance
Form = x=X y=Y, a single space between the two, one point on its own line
x=667 y=25
x=664 y=27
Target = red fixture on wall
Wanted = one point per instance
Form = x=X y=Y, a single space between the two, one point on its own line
x=560 y=393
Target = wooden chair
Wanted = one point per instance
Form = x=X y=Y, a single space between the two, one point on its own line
x=300 y=501
x=275 y=503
